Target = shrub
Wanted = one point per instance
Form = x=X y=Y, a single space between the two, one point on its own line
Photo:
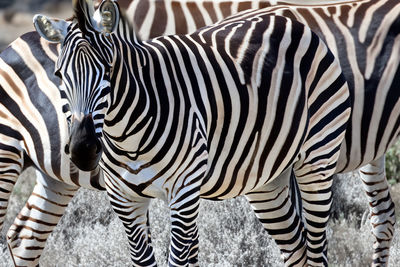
x=393 y=164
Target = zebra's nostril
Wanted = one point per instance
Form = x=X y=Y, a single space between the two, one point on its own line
x=66 y=149
x=93 y=147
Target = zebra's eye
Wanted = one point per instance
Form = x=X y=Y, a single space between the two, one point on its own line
x=108 y=72
x=69 y=120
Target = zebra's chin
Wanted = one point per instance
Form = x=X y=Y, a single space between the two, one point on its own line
x=84 y=148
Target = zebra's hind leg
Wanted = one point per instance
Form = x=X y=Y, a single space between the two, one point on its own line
x=46 y=205
x=11 y=164
x=274 y=208
x=381 y=207
x=317 y=199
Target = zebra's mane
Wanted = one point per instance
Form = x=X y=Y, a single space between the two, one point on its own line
x=128 y=26
x=82 y=13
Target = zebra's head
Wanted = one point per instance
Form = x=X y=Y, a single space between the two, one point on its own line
x=84 y=66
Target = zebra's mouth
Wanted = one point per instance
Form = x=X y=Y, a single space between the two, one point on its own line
x=85 y=148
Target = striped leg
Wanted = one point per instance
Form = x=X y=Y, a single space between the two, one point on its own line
x=317 y=199
x=314 y=172
x=10 y=169
x=134 y=217
x=381 y=206
x=274 y=208
x=184 y=231
x=194 y=249
x=41 y=213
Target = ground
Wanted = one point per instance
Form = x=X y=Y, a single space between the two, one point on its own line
x=89 y=234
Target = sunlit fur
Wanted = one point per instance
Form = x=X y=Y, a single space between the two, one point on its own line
x=226 y=111
x=33 y=132
x=155 y=18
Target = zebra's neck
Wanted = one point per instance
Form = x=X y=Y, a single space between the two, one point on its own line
x=141 y=107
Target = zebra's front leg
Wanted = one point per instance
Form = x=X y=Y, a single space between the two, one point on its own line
x=274 y=207
x=184 y=232
x=382 y=217
x=43 y=210
x=134 y=216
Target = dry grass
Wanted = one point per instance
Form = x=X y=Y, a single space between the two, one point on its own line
x=90 y=235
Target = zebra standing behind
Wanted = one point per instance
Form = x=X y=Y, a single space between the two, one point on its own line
x=153 y=18
x=233 y=109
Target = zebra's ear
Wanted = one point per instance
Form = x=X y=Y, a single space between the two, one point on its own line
x=106 y=17
x=53 y=30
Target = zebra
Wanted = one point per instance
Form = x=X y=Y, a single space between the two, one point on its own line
x=352 y=21
x=153 y=18
x=337 y=24
x=57 y=178
x=163 y=109
x=34 y=132
x=196 y=14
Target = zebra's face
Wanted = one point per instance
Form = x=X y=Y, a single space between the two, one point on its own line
x=84 y=66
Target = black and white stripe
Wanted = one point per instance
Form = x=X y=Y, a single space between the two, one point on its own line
x=367 y=13
x=34 y=132
x=363 y=35
x=229 y=110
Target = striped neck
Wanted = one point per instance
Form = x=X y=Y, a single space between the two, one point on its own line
x=130 y=81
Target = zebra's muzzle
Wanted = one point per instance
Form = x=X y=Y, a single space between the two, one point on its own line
x=84 y=146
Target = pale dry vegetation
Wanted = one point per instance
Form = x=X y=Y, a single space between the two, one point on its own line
x=90 y=234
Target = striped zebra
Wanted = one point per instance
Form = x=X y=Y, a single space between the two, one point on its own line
x=35 y=136
x=351 y=32
x=153 y=18
x=359 y=33
x=164 y=110
x=191 y=15
x=34 y=132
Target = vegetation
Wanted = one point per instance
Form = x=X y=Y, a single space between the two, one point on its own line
x=393 y=164
x=89 y=234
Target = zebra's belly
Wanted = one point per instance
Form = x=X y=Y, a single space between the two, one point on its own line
x=230 y=177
